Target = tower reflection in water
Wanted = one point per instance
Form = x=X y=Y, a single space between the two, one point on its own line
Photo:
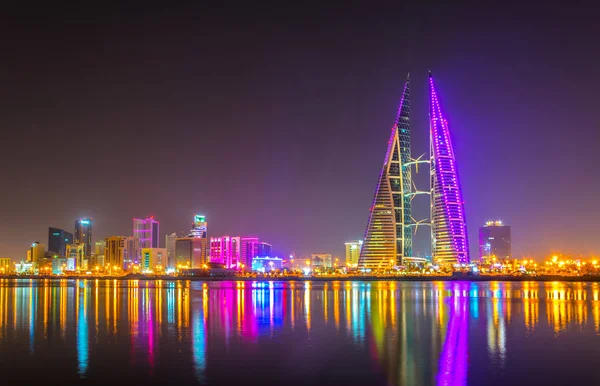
x=412 y=333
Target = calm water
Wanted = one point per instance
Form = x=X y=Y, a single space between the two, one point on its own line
x=337 y=333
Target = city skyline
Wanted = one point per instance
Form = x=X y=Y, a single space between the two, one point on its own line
x=315 y=116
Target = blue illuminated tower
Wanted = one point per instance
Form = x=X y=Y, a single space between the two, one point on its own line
x=83 y=235
x=449 y=239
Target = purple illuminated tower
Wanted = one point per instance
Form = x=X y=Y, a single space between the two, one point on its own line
x=145 y=235
x=449 y=242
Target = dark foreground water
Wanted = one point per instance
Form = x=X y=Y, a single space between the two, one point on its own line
x=338 y=333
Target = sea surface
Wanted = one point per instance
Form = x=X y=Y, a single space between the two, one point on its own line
x=71 y=332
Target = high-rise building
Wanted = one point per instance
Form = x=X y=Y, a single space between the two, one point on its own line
x=193 y=251
x=83 y=235
x=262 y=249
x=449 y=239
x=115 y=253
x=353 y=253
x=247 y=250
x=76 y=259
x=320 y=261
x=170 y=246
x=153 y=260
x=388 y=237
x=58 y=240
x=146 y=232
x=199 y=227
x=225 y=250
x=35 y=253
x=494 y=242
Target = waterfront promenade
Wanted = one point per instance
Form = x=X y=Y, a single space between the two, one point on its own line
x=422 y=278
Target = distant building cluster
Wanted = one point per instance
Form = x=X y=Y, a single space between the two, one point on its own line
x=141 y=252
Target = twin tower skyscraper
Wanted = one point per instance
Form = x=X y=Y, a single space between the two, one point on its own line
x=388 y=237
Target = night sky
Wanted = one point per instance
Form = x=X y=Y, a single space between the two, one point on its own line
x=274 y=122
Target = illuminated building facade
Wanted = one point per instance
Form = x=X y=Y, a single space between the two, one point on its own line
x=58 y=240
x=132 y=253
x=153 y=260
x=494 y=242
x=449 y=239
x=97 y=259
x=262 y=249
x=388 y=236
x=193 y=251
x=99 y=247
x=116 y=252
x=247 y=249
x=35 y=253
x=83 y=235
x=76 y=257
x=170 y=246
x=59 y=265
x=225 y=250
x=353 y=253
x=266 y=264
x=190 y=252
x=199 y=227
x=321 y=261
x=146 y=231
x=5 y=265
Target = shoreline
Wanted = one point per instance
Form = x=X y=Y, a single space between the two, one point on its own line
x=485 y=278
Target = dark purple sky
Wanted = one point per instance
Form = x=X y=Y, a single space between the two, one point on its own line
x=274 y=122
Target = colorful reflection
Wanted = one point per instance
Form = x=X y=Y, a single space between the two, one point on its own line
x=408 y=333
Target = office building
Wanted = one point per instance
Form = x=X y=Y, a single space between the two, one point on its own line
x=97 y=259
x=353 y=253
x=132 y=253
x=35 y=254
x=191 y=252
x=225 y=250
x=58 y=240
x=247 y=250
x=146 y=233
x=170 y=246
x=5 y=265
x=83 y=235
x=449 y=239
x=262 y=249
x=389 y=235
x=320 y=262
x=199 y=227
x=99 y=247
x=153 y=260
x=115 y=253
x=494 y=242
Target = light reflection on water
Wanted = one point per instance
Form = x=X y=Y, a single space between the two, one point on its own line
x=394 y=333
